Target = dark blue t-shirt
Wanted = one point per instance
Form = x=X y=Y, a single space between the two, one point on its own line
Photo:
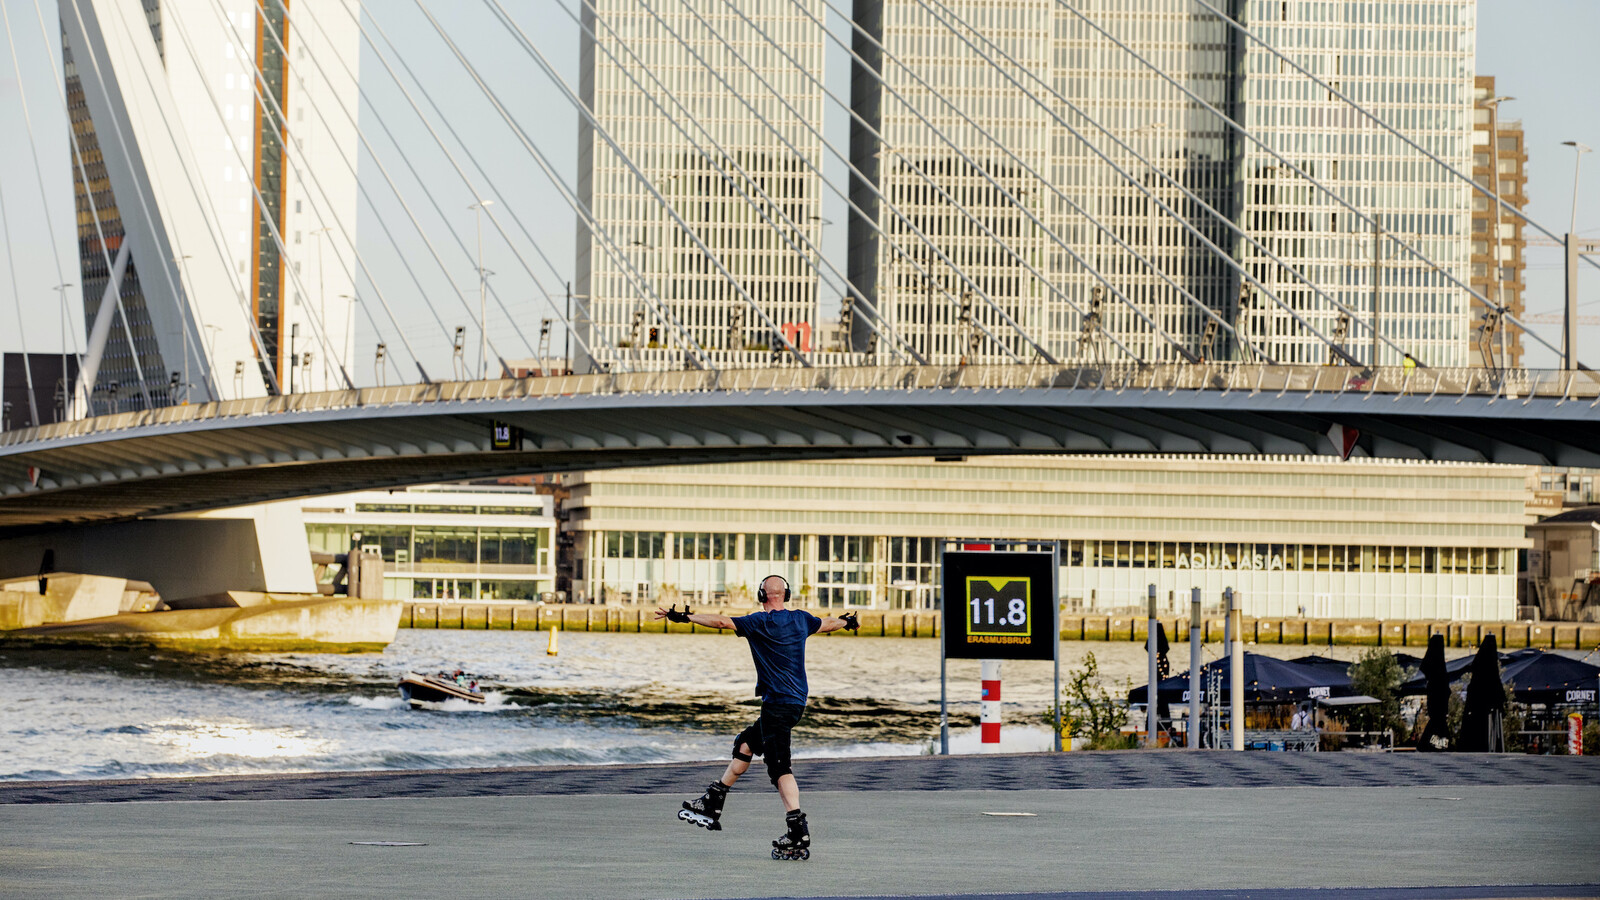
x=778 y=646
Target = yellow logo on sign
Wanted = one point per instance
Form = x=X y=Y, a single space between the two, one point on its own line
x=999 y=606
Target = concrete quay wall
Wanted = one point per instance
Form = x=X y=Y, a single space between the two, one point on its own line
x=913 y=623
x=312 y=623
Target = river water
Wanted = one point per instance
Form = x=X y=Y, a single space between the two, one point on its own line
x=604 y=699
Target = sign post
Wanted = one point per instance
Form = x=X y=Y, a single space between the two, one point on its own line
x=998 y=603
x=1191 y=736
x=989 y=709
x=1152 y=718
x=1235 y=671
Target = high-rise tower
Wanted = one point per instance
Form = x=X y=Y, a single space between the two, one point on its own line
x=722 y=144
x=965 y=157
x=1037 y=179
x=1410 y=63
x=1500 y=163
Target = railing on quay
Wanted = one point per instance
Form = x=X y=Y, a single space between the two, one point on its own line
x=1432 y=385
x=429 y=569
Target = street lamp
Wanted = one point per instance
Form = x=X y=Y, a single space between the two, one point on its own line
x=1569 y=333
x=816 y=265
x=211 y=341
x=1493 y=103
x=483 y=287
x=178 y=261
x=61 y=301
x=638 y=313
x=322 y=287
x=349 y=341
x=1577 y=163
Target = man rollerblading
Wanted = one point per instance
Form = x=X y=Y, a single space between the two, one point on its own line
x=777 y=639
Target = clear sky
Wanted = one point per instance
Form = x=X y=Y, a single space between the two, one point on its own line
x=1541 y=52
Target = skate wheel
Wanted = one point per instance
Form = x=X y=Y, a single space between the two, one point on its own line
x=685 y=816
x=805 y=853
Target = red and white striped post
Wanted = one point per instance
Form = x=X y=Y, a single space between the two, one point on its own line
x=989 y=705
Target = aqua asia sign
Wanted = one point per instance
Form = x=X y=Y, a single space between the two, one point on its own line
x=1000 y=605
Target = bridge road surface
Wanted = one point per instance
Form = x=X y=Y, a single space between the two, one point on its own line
x=1105 y=825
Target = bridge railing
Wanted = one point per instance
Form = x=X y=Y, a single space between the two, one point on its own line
x=1224 y=378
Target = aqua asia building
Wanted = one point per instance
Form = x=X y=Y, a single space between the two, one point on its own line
x=1292 y=536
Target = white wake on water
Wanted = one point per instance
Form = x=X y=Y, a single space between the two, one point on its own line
x=378 y=702
x=493 y=701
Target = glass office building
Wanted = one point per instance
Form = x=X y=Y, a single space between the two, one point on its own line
x=1037 y=178
x=1104 y=226
x=1410 y=63
x=698 y=136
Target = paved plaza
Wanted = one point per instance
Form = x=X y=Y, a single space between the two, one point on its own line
x=1084 y=824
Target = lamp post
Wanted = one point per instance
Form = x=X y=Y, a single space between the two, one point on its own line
x=635 y=338
x=322 y=288
x=61 y=301
x=1493 y=104
x=1569 y=334
x=1579 y=149
x=211 y=340
x=349 y=334
x=178 y=261
x=816 y=265
x=483 y=287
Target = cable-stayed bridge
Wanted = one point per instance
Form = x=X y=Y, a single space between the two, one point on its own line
x=186 y=458
x=1059 y=236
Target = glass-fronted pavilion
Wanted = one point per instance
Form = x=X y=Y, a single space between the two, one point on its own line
x=444 y=542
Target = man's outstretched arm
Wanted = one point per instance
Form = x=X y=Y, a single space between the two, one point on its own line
x=835 y=623
x=707 y=620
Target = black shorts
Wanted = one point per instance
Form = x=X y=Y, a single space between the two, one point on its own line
x=768 y=736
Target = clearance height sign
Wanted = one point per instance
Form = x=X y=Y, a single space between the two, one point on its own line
x=999 y=605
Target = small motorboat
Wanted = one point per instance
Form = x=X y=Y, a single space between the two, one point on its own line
x=422 y=689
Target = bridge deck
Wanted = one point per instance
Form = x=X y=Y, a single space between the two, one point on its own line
x=187 y=458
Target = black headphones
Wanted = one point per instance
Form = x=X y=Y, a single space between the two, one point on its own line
x=762 y=588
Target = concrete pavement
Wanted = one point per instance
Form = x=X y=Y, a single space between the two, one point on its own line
x=1257 y=825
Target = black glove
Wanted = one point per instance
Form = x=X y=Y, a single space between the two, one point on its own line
x=851 y=622
x=674 y=616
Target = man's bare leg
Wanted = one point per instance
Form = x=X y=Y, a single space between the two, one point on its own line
x=788 y=792
x=736 y=767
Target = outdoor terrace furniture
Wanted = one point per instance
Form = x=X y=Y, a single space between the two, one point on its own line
x=1304 y=740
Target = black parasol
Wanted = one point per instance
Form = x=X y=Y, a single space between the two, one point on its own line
x=1481 y=727
x=1437 y=735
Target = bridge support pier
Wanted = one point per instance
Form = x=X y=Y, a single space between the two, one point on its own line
x=256 y=548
